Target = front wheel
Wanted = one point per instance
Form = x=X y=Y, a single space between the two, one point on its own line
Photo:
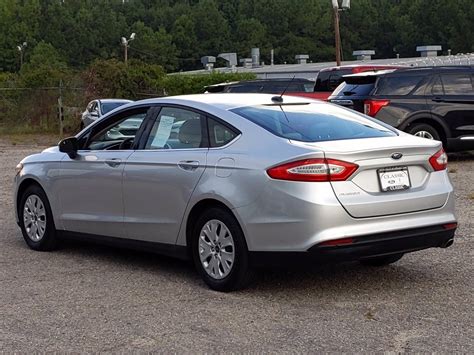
x=381 y=260
x=220 y=252
x=36 y=219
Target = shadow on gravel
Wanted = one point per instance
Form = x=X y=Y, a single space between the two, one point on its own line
x=127 y=257
x=461 y=156
x=326 y=280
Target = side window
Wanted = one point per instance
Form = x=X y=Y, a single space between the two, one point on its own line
x=437 y=88
x=244 y=88
x=94 y=107
x=397 y=85
x=219 y=134
x=89 y=106
x=176 y=128
x=457 y=84
x=322 y=82
x=334 y=81
x=119 y=134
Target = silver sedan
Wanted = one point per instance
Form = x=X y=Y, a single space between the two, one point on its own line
x=236 y=181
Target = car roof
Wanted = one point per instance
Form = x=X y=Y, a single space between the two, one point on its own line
x=362 y=66
x=227 y=101
x=114 y=100
x=369 y=73
x=262 y=81
x=415 y=70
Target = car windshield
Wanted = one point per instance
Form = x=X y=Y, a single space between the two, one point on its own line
x=313 y=122
x=109 y=106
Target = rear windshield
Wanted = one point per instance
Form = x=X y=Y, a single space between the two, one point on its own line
x=353 y=89
x=313 y=122
x=397 y=85
x=329 y=80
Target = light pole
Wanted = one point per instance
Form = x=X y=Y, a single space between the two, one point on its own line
x=21 y=49
x=346 y=4
x=125 y=45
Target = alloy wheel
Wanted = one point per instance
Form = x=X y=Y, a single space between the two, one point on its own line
x=34 y=218
x=424 y=134
x=216 y=249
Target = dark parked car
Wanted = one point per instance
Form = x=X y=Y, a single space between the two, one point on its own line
x=435 y=102
x=330 y=78
x=294 y=87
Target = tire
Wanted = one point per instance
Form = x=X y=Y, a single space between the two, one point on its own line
x=424 y=130
x=226 y=267
x=381 y=260
x=36 y=220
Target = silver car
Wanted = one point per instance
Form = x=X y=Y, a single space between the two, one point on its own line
x=97 y=108
x=235 y=181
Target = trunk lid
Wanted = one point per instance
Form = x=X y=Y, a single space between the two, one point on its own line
x=362 y=195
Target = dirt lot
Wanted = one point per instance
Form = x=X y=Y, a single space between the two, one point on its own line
x=91 y=298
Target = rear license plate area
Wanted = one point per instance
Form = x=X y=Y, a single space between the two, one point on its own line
x=394 y=178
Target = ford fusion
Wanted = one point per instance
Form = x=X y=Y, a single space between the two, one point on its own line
x=233 y=181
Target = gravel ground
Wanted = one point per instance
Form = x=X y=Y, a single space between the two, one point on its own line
x=86 y=298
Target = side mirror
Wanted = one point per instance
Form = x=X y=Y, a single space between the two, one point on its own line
x=94 y=114
x=69 y=146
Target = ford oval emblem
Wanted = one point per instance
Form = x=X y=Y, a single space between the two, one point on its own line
x=397 y=156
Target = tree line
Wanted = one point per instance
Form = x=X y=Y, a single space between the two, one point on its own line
x=175 y=34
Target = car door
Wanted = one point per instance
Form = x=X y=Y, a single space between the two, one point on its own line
x=159 y=178
x=90 y=185
x=453 y=101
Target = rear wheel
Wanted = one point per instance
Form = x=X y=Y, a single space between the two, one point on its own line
x=424 y=130
x=36 y=219
x=381 y=260
x=220 y=252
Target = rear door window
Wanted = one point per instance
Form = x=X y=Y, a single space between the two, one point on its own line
x=457 y=84
x=397 y=85
x=177 y=128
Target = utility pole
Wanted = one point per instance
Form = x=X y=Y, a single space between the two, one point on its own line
x=337 y=35
x=346 y=4
x=125 y=43
x=21 y=49
x=61 y=110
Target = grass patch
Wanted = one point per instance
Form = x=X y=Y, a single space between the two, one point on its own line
x=41 y=139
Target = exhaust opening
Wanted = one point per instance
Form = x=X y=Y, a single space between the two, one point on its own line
x=448 y=243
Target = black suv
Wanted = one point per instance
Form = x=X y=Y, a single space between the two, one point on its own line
x=435 y=102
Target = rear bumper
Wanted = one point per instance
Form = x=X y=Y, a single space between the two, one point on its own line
x=403 y=241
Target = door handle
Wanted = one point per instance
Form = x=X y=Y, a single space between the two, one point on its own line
x=437 y=99
x=113 y=163
x=188 y=164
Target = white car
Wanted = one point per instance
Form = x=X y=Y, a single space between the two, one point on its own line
x=97 y=108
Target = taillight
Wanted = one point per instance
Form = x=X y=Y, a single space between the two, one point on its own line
x=313 y=170
x=439 y=161
x=336 y=242
x=372 y=107
x=449 y=226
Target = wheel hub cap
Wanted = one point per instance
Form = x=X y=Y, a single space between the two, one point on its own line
x=424 y=134
x=216 y=249
x=34 y=218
